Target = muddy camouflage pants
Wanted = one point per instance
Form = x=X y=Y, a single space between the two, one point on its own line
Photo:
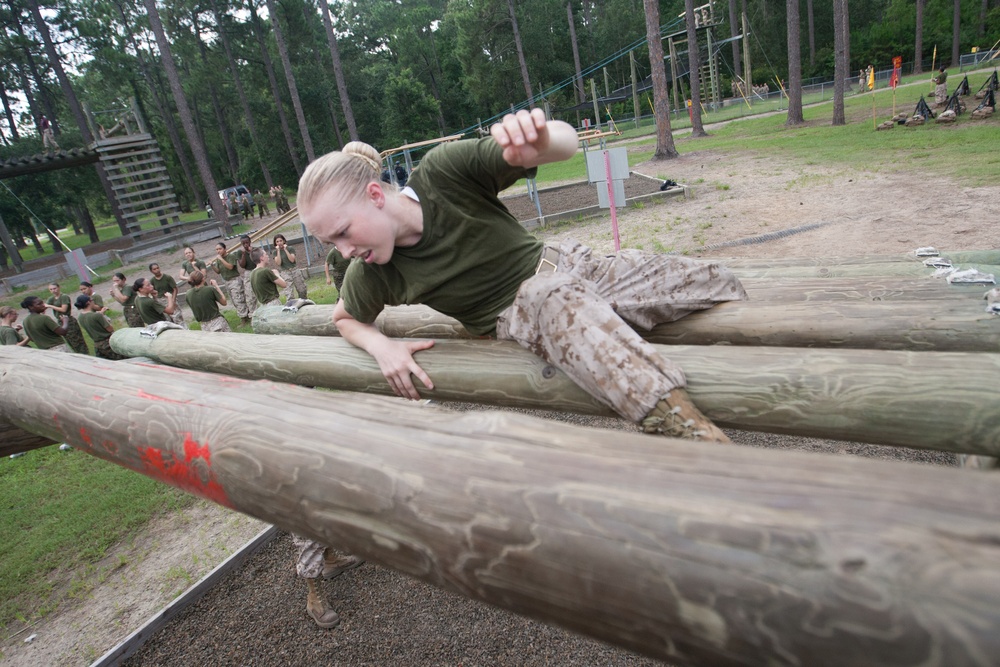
x=577 y=318
x=235 y=288
x=248 y=295
x=74 y=337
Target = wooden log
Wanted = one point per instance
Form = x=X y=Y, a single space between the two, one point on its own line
x=900 y=269
x=697 y=553
x=14 y=440
x=926 y=400
x=959 y=326
x=863 y=289
x=958 y=256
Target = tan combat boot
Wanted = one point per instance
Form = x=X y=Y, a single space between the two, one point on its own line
x=335 y=563
x=676 y=416
x=318 y=609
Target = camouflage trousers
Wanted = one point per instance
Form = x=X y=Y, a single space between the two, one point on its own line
x=294 y=279
x=74 y=337
x=577 y=318
x=235 y=288
x=310 y=556
x=102 y=348
x=178 y=316
x=216 y=324
x=941 y=93
x=248 y=295
x=132 y=317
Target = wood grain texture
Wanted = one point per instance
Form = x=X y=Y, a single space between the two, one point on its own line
x=956 y=256
x=960 y=325
x=14 y=440
x=697 y=553
x=930 y=400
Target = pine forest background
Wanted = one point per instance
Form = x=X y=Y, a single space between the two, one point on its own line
x=270 y=85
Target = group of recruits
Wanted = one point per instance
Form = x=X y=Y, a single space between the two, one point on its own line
x=251 y=276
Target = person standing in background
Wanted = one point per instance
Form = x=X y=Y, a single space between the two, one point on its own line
x=60 y=305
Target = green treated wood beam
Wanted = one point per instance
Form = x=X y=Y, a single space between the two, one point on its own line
x=926 y=400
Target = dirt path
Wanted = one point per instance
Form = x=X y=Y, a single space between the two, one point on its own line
x=733 y=197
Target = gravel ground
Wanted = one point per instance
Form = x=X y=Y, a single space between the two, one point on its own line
x=256 y=615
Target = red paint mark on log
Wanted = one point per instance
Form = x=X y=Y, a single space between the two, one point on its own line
x=86 y=437
x=111 y=447
x=154 y=397
x=182 y=474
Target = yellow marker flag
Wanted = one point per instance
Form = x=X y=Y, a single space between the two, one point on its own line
x=871 y=78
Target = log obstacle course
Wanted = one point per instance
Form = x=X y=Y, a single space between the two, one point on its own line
x=697 y=553
x=694 y=553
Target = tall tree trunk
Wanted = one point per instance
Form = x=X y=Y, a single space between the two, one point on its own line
x=338 y=73
x=8 y=112
x=918 y=51
x=86 y=220
x=74 y=106
x=812 y=34
x=320 y=67
x=694 y=64
x=234 y=73
x=794 y=64
x=847 y=37
x=581 y=95
x=983 y=10
x=839 y=63
x=187 y=121
x=220 y=114
x=29 y=94
x=35 y=241
x=735 y=28
x=293 y=89
x=29 y=60
x=956 y=23
x=286 y=131
x=665 y=148
x=529 y=95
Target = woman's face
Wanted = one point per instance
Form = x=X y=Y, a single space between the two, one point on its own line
x=54 y=289
x=358 y=229
x=189 y=254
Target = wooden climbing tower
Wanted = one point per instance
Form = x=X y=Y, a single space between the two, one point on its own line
x=136 y=169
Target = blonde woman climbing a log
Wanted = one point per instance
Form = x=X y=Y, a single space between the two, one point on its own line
x=448 y=242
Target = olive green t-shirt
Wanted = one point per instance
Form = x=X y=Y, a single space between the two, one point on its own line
x=237 y=254
x=129 y=295
x=263 y=285
x=473 y=254
x=339 y=263
x=190 y=268
x=96 y=325
x=42 y=331
x=63 y=300
x=220 y=268
x=203 y=302
x=286 y=263
x=150 y=311
x=9 y=336
x=164 y=284
x=98 y=299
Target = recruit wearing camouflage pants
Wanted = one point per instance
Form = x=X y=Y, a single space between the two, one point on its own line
x=248 y=295
x=74 y=337
x=216 y=324
x=309 y=561
x=178 y=316
x=294 y=279
x=575 y=318
x=132 y=317
x=102 y=348
x=235 y=288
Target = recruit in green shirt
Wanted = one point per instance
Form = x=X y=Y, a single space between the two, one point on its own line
x=263 y=285
x=42 y=331
x=62 y=300
x=150 y=311
x=203 y=302
x=164 y=284
x=473 y=254
x=96 y=325
x=9 y=336
x=220 y=268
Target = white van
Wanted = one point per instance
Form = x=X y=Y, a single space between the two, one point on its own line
x=239 y=191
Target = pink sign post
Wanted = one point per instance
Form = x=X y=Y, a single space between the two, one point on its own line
x=611 y=199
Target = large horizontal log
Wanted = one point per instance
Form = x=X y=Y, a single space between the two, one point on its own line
x=14 y=440
x=962 y=325
x=858 y=271
x=697 y=553
x=926 y=400
x=957 y=257
x=772 y=290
